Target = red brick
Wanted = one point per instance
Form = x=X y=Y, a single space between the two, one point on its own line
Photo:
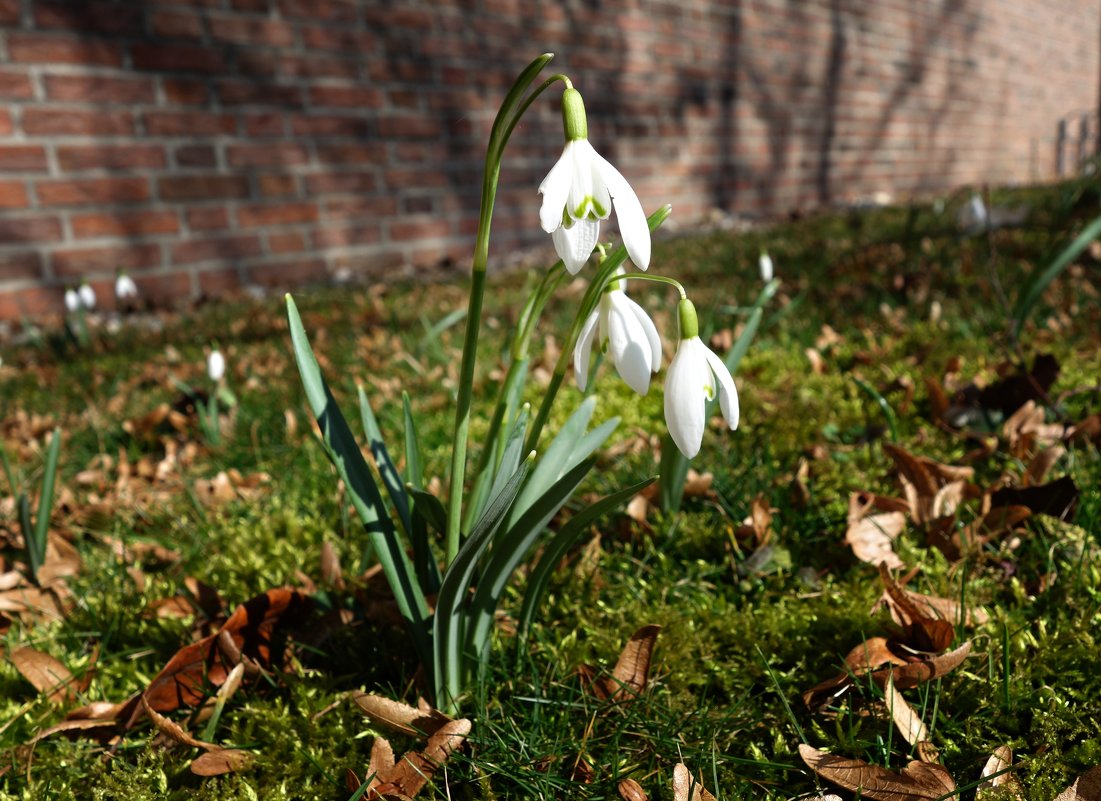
x=88 y=17
x=338 y=236
x=267 y=155
x=250 y=5
x=15 y=86
x=251 y=31
x=352 y=207
x=20 y=265
x=92 y=190
x=332 y=10
x=280 y=214
x=77 y=122
x=332 y=39
x=9 y=15
x=409 y=127
x=317 y=66
x=287 y=242
x=279 y=185
x=22 y=158
x=220 y=281
x=330 y=182
x=252 y=93
x=189 y=123
x=196 y=156
x=129 y=224
x=80 y=261
x=99 y=89
x=360 y=153
x=176 y=24
x=186 y=91
x=177 y=58
x=264 y=123
x=286 y=272
x=323 y=125
x=208 y=218
x=405 y=231
x=346 y=96
x=230 y=248
x=74 y=158
x=30 y=229
x=13 y=195
x=404 y=178
x=164 y=289
x=39 y=49
x=5 y=123
x=202 y=187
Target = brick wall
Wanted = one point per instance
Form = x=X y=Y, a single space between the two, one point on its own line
x=203 y=144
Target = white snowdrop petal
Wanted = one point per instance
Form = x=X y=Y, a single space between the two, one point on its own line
x=555 y=189
x=728 y=392
x=582 y=351
x=628 y=210
x=574 y=245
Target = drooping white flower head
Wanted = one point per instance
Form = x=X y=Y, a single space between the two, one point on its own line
x=581 y=189
x=87 y=296
x=72 y=300
x=125 y=287
x=626 y=332
x=215 y=365
x=979 y=215
x=765 y=263
x=694 y=376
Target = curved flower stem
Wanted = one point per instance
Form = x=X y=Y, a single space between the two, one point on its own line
x=658 y=279
x=511 y=109
x=605 y=274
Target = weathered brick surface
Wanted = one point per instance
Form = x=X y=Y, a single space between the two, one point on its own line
x=206 y=144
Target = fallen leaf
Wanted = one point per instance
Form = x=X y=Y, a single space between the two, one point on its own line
x=632 y=669
x=47 y=674
x=1000 y=762
x=409 y=775
x=1086 y=787
x=922 y=631
x=909 y=723
x=1058 y=498
x=630 y=790
x=173 y=730
x=398 y=717
x=872 y=537
x=918 y=780
x=218 y=763
x=1041 y=465
x=331 y=573
x=686 y=787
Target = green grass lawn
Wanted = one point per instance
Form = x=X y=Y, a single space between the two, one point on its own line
x=744 y=630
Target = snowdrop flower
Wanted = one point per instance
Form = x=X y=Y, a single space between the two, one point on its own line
x=125 y=287
x=624 y=330
x=215 y=365
x=694 y=376
x=765 y=263
x=580 y=191
x=87 y=296
x=72 y=301
x=979 y=214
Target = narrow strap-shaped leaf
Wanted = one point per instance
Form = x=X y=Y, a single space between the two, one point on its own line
x=430 y=508
x=448 y=634
x=513 y=455
x=1035 y=289
x=342 y=450
x=552 y=463
x=36 y=549
x=510 y=549
x=414 y=471
x=386 y=468
x=561 y=543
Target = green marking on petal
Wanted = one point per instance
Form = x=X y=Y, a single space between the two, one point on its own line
x=709 y=391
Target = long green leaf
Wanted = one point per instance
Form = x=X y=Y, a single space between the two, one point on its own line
x=447 y=621
x=1036 y=289
x=36 y=548
x=430 y=508
x=561 y=542
x=387 y=471
x=414 y=472
x=342 y=450
x=424 y=560
x=510 y=549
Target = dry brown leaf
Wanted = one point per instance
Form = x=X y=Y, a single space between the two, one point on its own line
x=630 y=790
x=1041 y=465
x=416 y=768
x=398 y=717
x=1001 y=760
x=47 y=674
x=218 y=763
x=101 y=730
x=869 y=655
x=918 y=780
x=872 y=538
x=174 y=731
x=912 y=674
x=817 y=363
x=908 y=721
x=686 y=787
x=1086 y=787
x=331 y=572
x=923 y=632
x=632 y=669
